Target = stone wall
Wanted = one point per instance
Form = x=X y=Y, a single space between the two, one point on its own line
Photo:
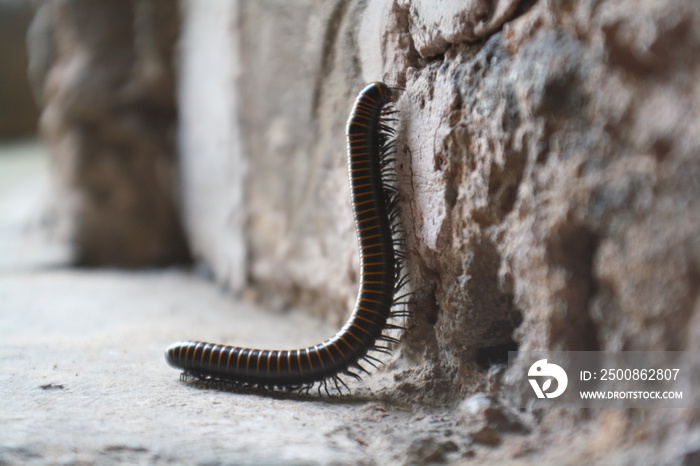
x=104 y=72
x=550 y=193
x=18 y=111
x=266 y=90
x=213 y=165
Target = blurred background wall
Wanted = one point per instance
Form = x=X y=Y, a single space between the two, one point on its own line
x=19 y=113
x=105 y=76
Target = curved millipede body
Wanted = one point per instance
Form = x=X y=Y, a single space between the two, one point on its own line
x=372 y=203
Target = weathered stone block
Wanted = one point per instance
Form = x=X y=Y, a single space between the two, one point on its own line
x=105 y=73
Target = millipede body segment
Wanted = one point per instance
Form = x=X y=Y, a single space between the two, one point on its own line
x=368 y=143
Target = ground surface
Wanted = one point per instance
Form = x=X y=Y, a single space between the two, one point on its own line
x=83 y=378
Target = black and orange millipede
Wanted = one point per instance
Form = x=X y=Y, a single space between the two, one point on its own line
x=370 y=144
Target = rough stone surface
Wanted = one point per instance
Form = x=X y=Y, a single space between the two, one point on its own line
x=265 y=92
x=297 y=88
x=212 y=163
x=550 y=186
x=104 y=72
x=435 y=26
x=19 y=113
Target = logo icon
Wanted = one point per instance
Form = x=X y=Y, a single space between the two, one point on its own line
x=542 y=368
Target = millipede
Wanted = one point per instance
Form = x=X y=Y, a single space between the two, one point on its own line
x=370 y=145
